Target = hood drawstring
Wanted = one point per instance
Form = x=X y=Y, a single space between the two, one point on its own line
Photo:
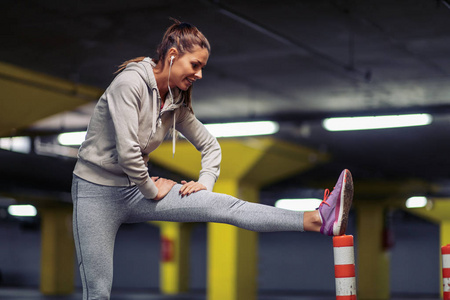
x=155 y=110
x=174 y=135
x=174 y=132
x=155 y=120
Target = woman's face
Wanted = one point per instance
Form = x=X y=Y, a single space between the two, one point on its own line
x=186 y=69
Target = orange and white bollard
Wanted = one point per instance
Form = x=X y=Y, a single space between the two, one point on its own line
x=344 y=267
x=446 y=271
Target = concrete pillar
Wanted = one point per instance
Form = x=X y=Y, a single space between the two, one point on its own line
x=445 y=232
x=57 y=250
x=373 y=261
x=438 y=211
x=174 y=261
x=247 y=165
x=232 y=254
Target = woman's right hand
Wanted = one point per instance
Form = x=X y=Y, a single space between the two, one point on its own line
x=164 y=186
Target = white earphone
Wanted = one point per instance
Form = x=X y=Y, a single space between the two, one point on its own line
x=174 y=133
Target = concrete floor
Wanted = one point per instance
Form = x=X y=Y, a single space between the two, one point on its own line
x=29 y=294
x=33 y=294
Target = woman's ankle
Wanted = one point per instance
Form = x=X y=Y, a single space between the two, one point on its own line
x=312 y=221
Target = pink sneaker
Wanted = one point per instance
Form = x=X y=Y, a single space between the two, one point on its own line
x=335 y=206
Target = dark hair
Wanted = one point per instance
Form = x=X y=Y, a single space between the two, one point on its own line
x=183 y=37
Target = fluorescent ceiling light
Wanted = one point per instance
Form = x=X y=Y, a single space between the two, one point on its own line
x=21 y=144
x=237 y=129
x=416 y=202
x=22 y=210
x=307 y=204
x=240 y=129
x=376 y=122
x=72 y=138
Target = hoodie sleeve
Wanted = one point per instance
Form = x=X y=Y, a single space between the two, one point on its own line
x=205 y=143
x=124 y=107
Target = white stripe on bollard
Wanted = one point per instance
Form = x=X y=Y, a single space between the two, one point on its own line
x=344 y=256
x=345 y=286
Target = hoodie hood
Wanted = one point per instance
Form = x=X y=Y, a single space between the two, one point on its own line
x=173 y=101
x=145 y=70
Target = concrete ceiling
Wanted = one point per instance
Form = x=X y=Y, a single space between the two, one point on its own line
x=291 y=61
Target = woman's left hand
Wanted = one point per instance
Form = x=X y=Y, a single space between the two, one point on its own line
x=190 y=187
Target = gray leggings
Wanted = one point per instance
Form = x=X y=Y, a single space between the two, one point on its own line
x=100 y=210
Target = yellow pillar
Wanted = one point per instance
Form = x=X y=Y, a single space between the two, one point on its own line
x=57 y=251
x=373 y=260
x=247 y=164
x=174 y=261
x=438 y=211
x=445 y=232
x=233 y=253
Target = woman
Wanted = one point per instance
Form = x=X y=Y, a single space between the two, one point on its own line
x=111 y=184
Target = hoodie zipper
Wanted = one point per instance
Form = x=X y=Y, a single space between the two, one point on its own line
x=160 y=112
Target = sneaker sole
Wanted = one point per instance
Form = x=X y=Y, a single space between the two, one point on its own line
x=340 y=226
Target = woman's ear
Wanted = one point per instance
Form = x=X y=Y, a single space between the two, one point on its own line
x=172 y=52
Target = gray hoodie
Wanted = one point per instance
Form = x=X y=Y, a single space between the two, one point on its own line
x=128 y=124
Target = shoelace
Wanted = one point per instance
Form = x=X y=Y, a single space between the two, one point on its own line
x=326 y=194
